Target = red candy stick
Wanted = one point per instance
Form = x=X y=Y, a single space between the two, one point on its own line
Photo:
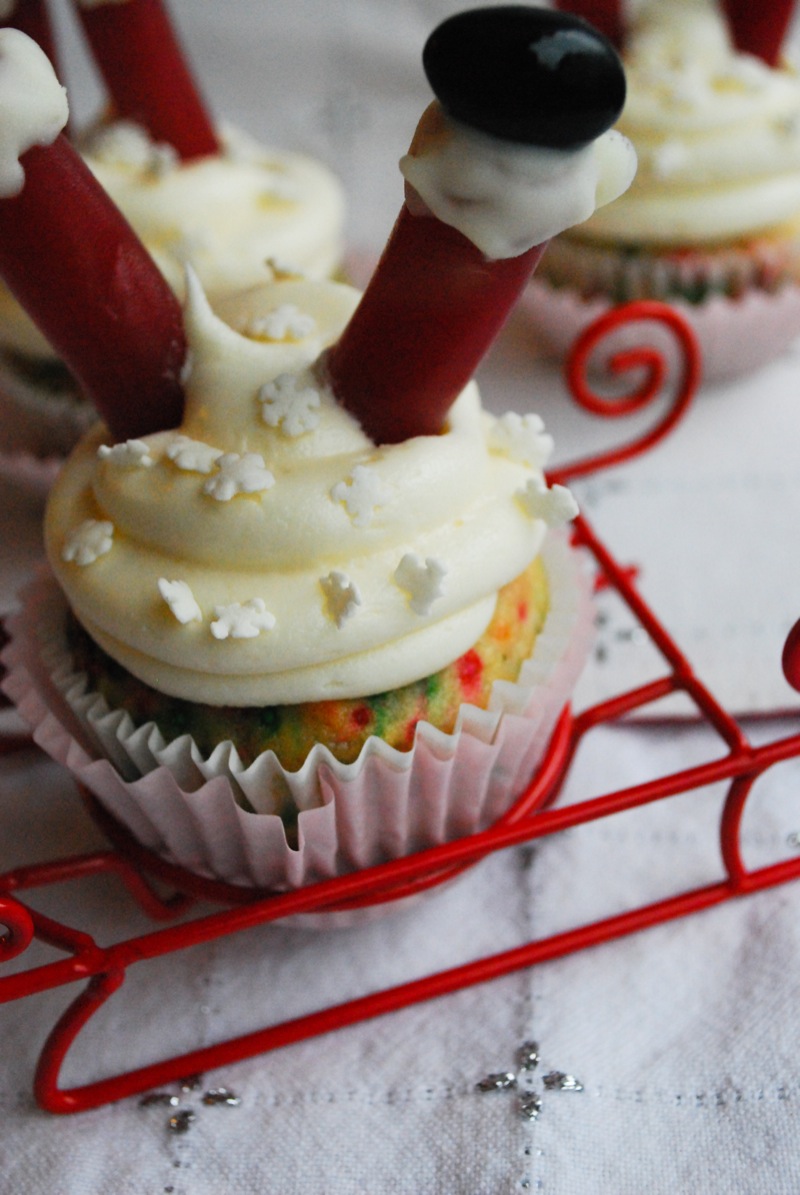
x=605 y=15
x=434 y=306
x=76 y=266
x=138 y=54
x=759 y=27
x=32 y=17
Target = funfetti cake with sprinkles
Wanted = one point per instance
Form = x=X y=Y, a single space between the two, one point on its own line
x=318 y=611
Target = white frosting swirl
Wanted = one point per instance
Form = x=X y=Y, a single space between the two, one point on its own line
x=717 y=134
x=268 y=551
x=33 y=105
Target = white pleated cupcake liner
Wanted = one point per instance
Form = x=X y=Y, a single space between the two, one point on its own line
x=736 y=336
x=217 y=818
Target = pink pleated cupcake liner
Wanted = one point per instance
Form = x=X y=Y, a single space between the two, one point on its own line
x=736 y=335
x=217 y=818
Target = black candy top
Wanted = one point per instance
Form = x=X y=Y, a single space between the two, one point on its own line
x=524 y=74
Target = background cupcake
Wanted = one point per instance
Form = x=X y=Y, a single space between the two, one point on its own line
x=193 y=192
x=712 y=220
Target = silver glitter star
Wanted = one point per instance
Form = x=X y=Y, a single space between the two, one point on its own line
x=528 y=1102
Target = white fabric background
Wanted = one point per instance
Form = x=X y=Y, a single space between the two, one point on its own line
x=684 y=1037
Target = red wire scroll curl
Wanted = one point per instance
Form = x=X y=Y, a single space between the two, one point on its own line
x=645 y=357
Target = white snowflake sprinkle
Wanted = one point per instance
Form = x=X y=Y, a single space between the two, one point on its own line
x=286 y=322
x=284 y=406
x=362 y=493
x=180 y=600
x=242 y=620
x=245 y=474
x=521 y=438
x=93 y=538
x=192 y=455
x=555 y=505
x=131 y=455
x=341 y=596
x=422 y=581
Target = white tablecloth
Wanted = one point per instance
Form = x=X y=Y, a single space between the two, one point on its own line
x=684 y=1037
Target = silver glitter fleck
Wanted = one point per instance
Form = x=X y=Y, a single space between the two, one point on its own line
x=530 y=1105
x=191 y=1083
x=528 y=1056
x=558 y=1081
x=159 y=1099
x=500 y=1081
x=181 y=1121
x=221 y=1095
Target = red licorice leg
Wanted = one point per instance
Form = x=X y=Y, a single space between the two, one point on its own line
x=759 y=28
x=605 y=15
x=146 y=73
x=435 y=302
x=33 y=18
x=76 y=266
x=431 y=311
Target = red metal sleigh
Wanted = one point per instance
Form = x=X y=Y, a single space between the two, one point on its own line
x=535 y=815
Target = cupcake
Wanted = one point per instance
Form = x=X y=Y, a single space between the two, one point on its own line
x=193 y=193
x=324 y=615
x=712 y=220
